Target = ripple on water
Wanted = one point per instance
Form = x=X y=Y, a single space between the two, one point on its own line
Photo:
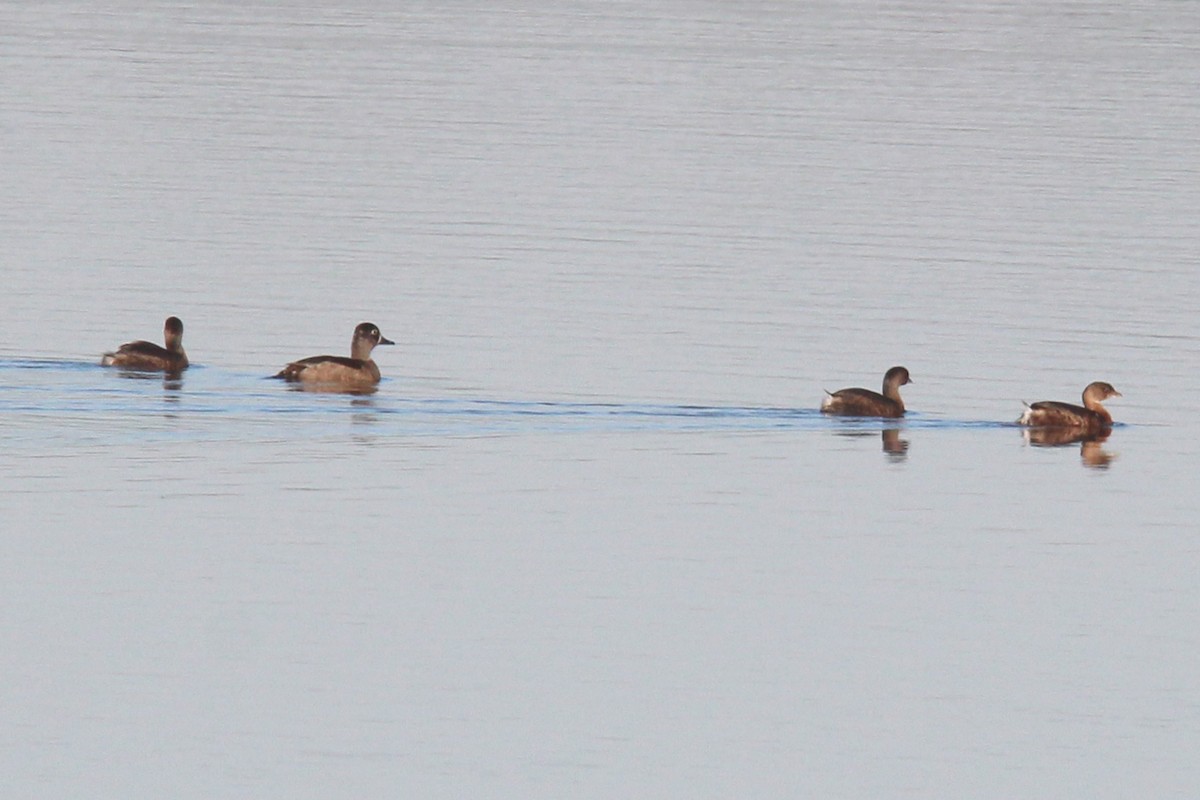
x=49 y=400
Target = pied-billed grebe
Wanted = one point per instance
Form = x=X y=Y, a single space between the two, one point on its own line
x=865 y=403
x=142 y=355
x=355 y=372
x=1090 y=416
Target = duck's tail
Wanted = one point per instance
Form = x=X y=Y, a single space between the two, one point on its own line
x=1026 y=417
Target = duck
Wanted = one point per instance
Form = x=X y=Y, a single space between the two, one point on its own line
x=148 y=356
x=866 y=403
x=1091 y=416
x=354 y=373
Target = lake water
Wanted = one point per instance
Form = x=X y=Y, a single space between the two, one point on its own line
x=591 y=537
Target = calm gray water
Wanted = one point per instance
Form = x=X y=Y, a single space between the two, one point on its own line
x=591 y=538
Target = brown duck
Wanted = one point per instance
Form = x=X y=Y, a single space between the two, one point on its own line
x=866 y=403
x=356 y=372
x=1091 y=416
x=148 y=356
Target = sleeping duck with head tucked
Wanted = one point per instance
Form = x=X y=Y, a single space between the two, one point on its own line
x=337 y=373
x=150 y=357
x=1091 y=416
x=866 y=403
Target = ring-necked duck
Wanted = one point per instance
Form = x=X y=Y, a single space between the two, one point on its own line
x=865 y=403
x=357 y=371
x=148 y=356
x=1090 y=416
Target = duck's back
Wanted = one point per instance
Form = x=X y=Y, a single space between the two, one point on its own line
x=861 y=403
x=145 y=355
x=331 y=369
x=1051 y=413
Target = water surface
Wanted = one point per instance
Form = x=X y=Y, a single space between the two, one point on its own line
x=591 y=536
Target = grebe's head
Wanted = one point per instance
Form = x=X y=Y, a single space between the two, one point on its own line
x=1099 y=390
x=896 y=376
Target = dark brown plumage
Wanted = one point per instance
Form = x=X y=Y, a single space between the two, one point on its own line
x=866 y=403
x=1091 y=416
x=143 y=355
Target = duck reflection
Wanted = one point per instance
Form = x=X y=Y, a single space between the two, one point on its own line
x=366 y=412
x=1091 y=443
x=895 y=447
x=172 y=387
x=172 y=380
x=333 y=388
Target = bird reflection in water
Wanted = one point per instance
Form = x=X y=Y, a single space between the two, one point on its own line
x=894 y=447
x=172 y=380
x=333 y=388
x=365 y=410
x=1091 y=443
x=172 y=387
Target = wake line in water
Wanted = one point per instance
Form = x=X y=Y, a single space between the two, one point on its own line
x=84 y=389
x=665 y=416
